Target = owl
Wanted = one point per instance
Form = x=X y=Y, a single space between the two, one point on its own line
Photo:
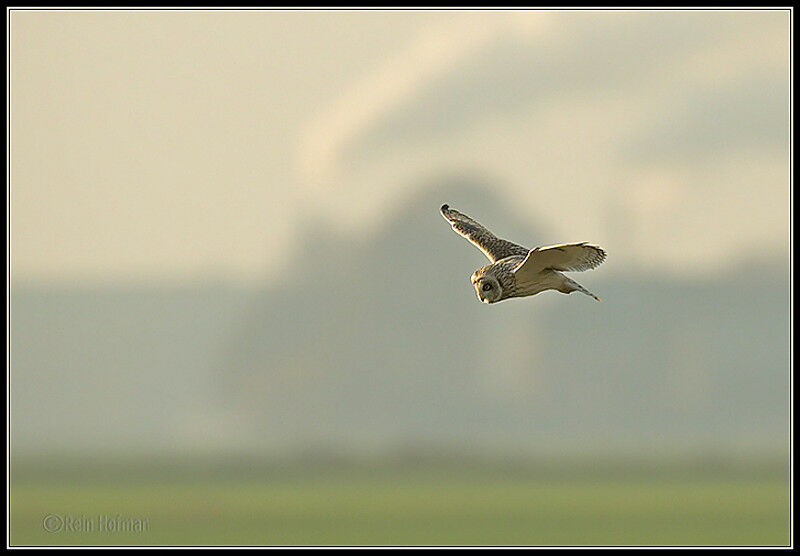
x=516 y=271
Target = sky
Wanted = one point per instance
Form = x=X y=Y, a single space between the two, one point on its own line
x=168 y=146
x=185 y=152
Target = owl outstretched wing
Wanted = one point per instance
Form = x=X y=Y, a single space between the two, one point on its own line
x=492 y=246
x=567 y=257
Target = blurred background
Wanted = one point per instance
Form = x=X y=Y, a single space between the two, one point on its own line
x=237 y=313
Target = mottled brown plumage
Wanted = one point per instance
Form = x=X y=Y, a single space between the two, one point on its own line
x=516 y=271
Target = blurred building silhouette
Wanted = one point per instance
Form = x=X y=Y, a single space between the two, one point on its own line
x=379 y=342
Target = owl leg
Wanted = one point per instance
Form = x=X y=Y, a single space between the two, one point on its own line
x=569 y=285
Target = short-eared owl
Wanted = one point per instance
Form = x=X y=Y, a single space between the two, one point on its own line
x=515 y=271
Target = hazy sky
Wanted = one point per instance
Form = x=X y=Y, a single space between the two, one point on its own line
x=169 y=145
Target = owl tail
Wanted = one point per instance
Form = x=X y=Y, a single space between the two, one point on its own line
x=573 y=286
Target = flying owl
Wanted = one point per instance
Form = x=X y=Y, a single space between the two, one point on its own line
x=515 y=271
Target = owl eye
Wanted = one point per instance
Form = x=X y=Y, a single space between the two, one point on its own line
x=486 y=287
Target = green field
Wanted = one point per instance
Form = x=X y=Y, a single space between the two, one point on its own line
x=407 y=509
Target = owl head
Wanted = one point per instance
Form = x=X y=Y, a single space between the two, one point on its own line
x=488 y=285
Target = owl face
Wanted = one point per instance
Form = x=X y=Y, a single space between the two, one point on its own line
x=487 y=286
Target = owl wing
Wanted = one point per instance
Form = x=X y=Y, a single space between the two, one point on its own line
x=492 y=246
x=573 y=257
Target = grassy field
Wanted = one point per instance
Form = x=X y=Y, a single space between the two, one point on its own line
x=403 y=509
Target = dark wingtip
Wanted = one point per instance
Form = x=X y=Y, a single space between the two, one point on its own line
x=444 y=208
